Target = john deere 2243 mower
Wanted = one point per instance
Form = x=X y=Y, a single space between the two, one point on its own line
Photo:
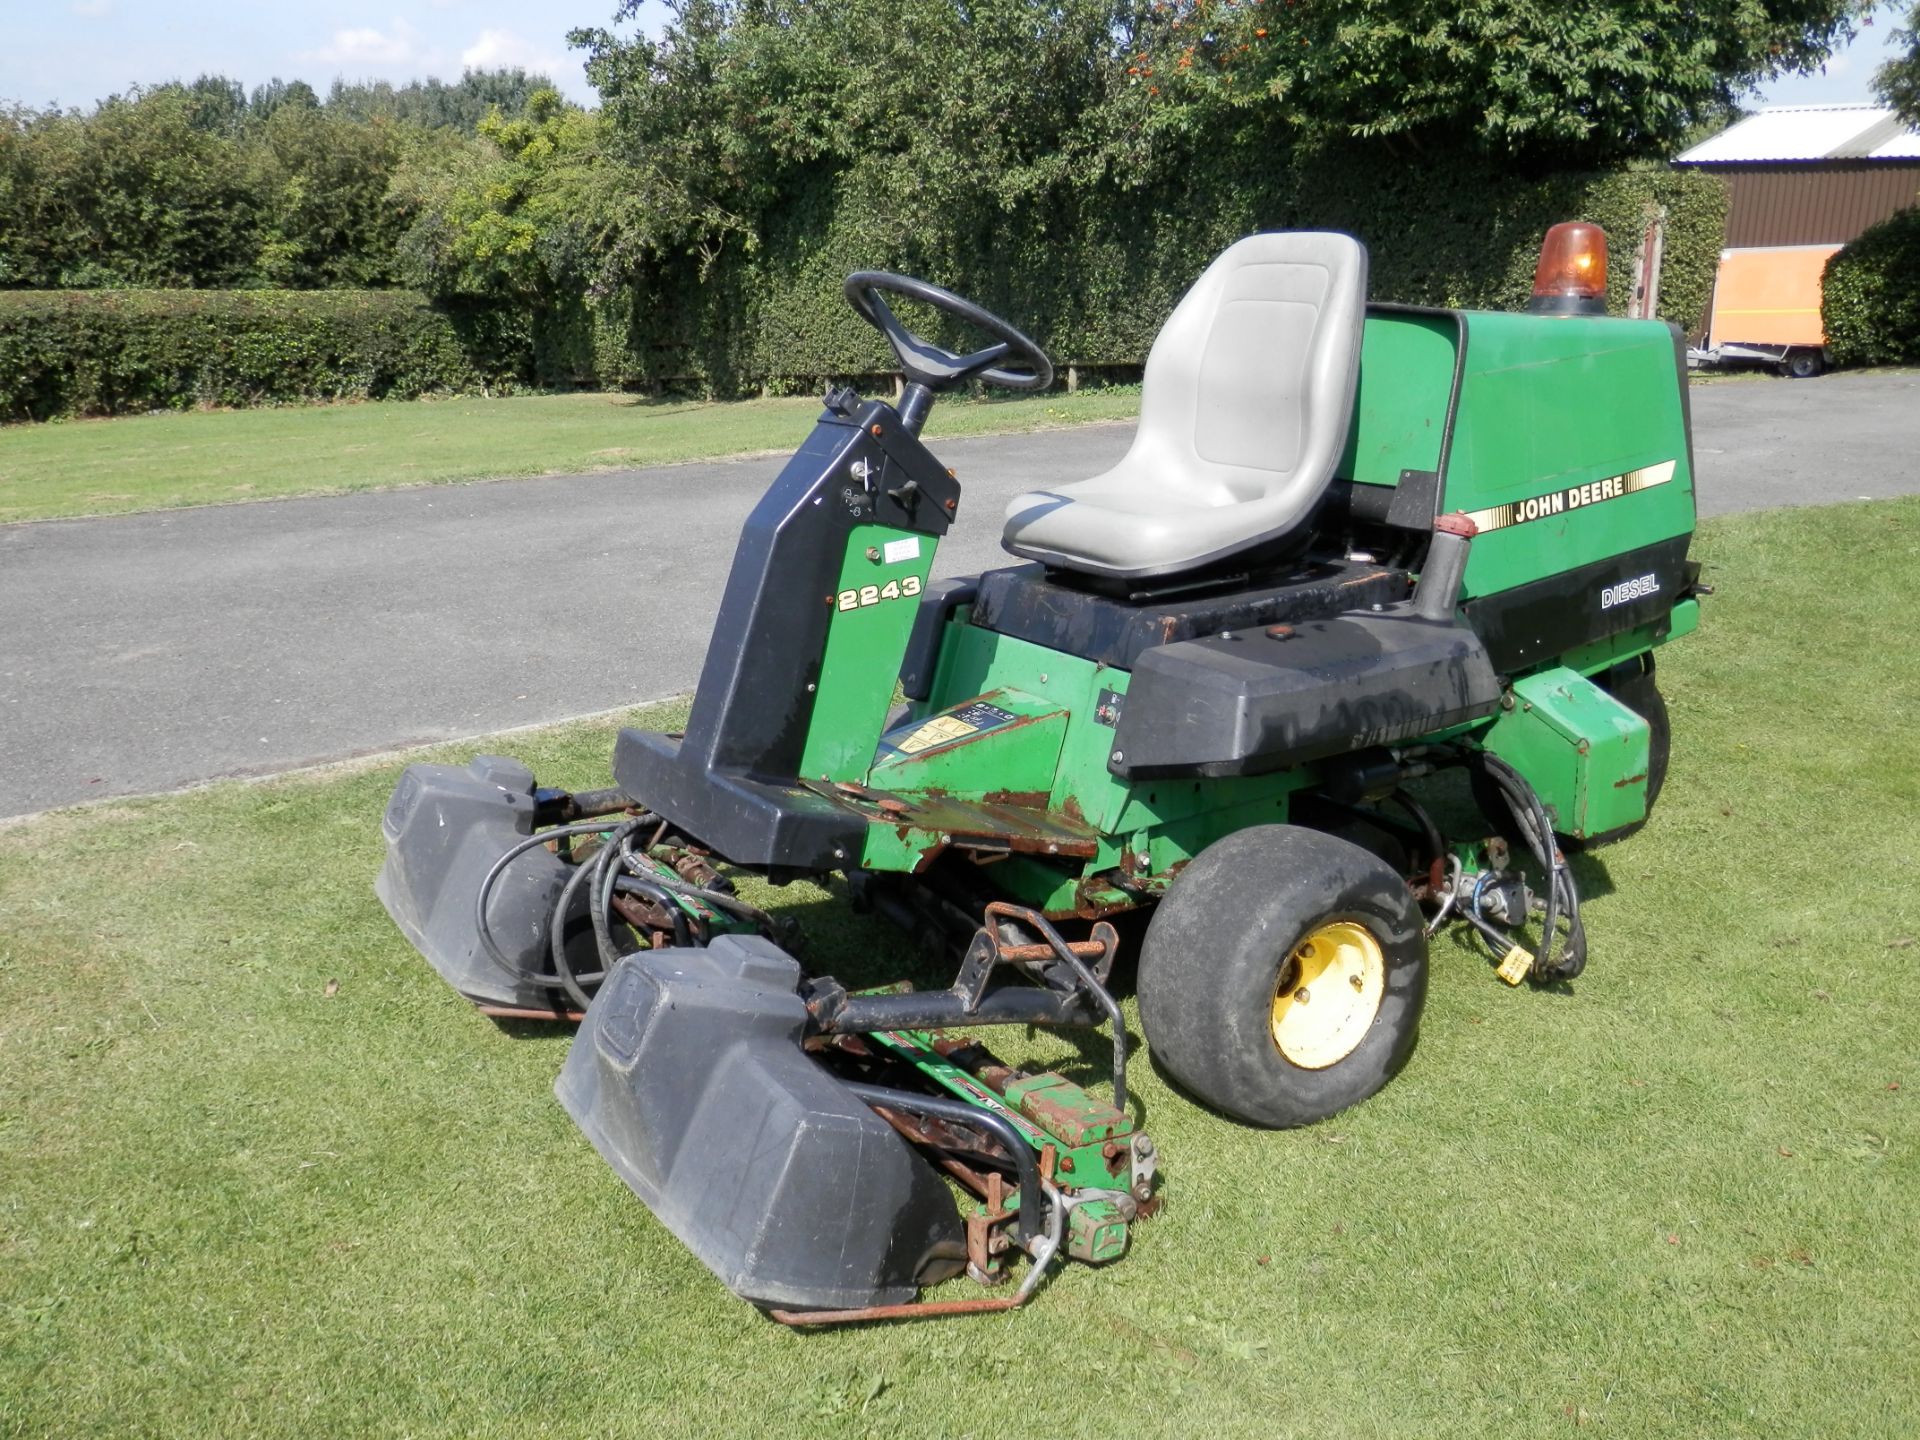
x=1352 y=545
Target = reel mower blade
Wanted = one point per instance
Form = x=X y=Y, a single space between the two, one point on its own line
x=689 y=1078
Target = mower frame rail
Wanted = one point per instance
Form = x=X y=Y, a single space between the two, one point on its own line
x=1082 y=1000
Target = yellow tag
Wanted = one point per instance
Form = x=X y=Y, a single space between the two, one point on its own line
x=937 y=731
x=1516 y=966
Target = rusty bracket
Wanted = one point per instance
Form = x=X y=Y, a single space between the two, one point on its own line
x=1043 y=1249
x=1090 y=979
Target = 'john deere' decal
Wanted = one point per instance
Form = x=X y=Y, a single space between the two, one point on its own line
x=1559 y=502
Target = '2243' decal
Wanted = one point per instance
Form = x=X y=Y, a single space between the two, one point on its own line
x=873 y=594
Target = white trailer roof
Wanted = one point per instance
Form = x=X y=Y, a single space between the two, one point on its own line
x=1809 y=132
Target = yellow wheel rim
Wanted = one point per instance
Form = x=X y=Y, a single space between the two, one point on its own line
x=1328 y=992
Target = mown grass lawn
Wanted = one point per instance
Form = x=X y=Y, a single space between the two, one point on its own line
x=156 y=462
x=261 y=1174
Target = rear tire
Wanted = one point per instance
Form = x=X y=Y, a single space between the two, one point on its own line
x=1232 y=957
x=1803 y=365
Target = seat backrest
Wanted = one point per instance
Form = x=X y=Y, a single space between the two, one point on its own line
x=1249 y=387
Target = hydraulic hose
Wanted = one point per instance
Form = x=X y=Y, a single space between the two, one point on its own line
x=604 y=877
x=1420 y=817
x=1561 y=895
x=1537 y=830
x=718 y=899
x=485 y=931
x=557 y=934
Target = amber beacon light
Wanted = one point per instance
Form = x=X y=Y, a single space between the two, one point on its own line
x=1571 y=278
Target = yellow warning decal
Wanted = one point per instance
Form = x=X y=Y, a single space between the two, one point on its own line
x=937 y=731
x=955 y=724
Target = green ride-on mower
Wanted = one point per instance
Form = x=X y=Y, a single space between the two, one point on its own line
x=1351 y=545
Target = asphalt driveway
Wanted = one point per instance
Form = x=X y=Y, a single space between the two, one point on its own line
x=145 y=652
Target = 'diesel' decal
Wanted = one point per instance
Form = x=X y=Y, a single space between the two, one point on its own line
x=1574 y=497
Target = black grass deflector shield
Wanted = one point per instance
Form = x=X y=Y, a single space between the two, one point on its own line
x=445 y=827
x=689 y=1079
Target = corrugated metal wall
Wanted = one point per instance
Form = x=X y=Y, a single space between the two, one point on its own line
x=1825 y=202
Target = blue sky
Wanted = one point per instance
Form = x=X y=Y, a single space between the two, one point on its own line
x=74 y=52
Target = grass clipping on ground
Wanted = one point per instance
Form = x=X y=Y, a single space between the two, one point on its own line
x=159 y=462
x=261 y=1173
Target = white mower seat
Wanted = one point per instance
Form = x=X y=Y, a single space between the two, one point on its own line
x=1243 y=416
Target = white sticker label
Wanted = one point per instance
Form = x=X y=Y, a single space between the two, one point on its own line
x=898 y=550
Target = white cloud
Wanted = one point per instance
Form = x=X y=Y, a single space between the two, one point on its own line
x=398 y=45
x=496 y=49
x=91 y=9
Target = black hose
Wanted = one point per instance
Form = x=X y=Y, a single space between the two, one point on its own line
x=616 y=868
x=991 y=1124
x=574 y=982
x=1425 y=821
x=557 y=935
x=635 y=885
x=719 y=900
x=649 y=883
x=1560 y=893
x=1117 y=1022
x=1537 y=830
x=487 y=943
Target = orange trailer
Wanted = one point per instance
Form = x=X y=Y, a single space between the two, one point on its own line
x=1766 y=309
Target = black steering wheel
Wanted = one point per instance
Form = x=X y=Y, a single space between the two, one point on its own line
x=924 y=363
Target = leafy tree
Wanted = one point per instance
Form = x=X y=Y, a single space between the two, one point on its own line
x=460 y=105
x=277 y=94
x=138 y=193
x=529 y=210
x=322 y=184
x=215 y=104
x=940 y=108
x=190 y=186
x=1897 y=82
x=1589 y=82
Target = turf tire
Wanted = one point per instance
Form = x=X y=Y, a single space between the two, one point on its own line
x=1212 y=960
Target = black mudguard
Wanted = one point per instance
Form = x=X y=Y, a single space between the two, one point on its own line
x=1250 y=701
x=689 y=1079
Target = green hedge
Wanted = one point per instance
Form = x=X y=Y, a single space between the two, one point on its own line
x=1092 y=275
x=115 y=352
x=1870 y=297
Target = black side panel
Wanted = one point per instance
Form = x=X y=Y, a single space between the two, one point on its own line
x=754 y=702
x=1245 y=703
x=1023 y=603
x=729 y=782
x=747 y=820
x=943 y=597
x=1535 y=622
